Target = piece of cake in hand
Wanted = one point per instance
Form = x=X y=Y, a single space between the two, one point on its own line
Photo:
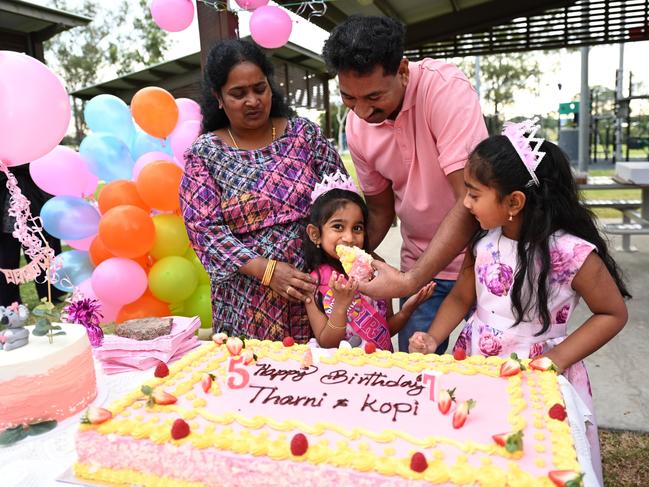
x=356 y=262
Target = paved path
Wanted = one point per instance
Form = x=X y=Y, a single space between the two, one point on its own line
x=619 y=371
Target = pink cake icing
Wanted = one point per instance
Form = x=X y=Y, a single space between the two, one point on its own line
x=43 y=381
x=356 y=262
x=364 y=416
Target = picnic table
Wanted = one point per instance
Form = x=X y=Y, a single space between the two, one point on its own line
x=635 y=213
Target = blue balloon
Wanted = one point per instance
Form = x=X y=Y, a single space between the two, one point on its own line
x=107 y=156
x=75 y=268
x=109 y=114
x=143 y=143
x=70 y=218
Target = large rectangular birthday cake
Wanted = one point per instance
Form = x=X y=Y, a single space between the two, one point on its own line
x=349 y=418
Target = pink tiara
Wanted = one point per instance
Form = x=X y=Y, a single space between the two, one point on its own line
x=338 y=180
x=521 y=135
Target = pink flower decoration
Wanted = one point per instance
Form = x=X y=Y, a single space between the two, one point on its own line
x=536 y=349
x=562 y=315
x=497 y=277
x=489 y=345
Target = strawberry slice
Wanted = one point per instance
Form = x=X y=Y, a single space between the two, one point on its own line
x=219 y=338
x=157 y=396
x=206 y=381
x=459 y=354
x=446 y=398
x=161 y=370
x=566 y=478
x=543 y=364
x=299 y=445
x=307 y=359
x=179 y=429
x=462 y=413
x=418 y=462
x=512 y=442
x=557 y=411
x=96 y=416
x=511 y=366
x=234 y=345
x=288 y=341
x=248 y=357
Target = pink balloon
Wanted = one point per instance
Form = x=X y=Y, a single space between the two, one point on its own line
x=63 y=171
x=119 y=281
x=270 y=27
x=83 y=244
x=108 y=310
x=251 y=4
x=188 y=109
x=149 y=157
x=34 y=109
x=181 y=138
x=172 y=15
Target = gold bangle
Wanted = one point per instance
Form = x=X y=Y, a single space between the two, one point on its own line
x=331 y=325
x=268 y=273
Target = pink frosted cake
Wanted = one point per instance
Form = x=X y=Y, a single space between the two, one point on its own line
x=346 y=419
x=43 y=381
x=356 y=262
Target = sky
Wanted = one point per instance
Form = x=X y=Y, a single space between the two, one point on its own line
x=557 y=67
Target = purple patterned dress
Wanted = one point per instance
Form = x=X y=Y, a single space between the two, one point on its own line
x=242 y=204
x=488 y=331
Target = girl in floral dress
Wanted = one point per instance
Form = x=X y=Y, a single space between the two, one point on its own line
x=538 y=252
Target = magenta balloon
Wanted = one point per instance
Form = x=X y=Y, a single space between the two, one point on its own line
x=119 y=281
x=83 y=244
x=188 y=109
x=34 y=109
x=172 y=15
x=270 y=27
x=148 y=158
x=251 y=4
x=182 y=138
x=63 y=171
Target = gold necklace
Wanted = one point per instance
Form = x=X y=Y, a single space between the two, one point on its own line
x=273 y=134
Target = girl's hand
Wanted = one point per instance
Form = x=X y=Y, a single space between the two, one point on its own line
x=416 y=299
x=292 y=284
x=422 y=342
x=343 y=289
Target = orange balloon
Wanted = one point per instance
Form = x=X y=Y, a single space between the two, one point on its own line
x=120 y=192
x=158 y=185
x=145 y=307
x=155 y=111
x=98 y=252
x=127 y=231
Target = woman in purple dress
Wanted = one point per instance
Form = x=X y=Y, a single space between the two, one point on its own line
x=246 y=192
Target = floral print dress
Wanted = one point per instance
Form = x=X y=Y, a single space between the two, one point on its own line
x=489 y=329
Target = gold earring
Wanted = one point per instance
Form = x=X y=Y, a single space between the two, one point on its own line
x=511 y=217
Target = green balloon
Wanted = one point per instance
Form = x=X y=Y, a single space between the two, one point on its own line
x=200 y=304
x=203 y=276
x=172 y=279
x=170 y=236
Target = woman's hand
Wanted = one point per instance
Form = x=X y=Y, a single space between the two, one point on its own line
x=416 y=299
x=343 y=289
x=387 y=284
x=292 y=284
x=422 y=342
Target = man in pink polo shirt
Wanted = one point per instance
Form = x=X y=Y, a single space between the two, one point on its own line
x=410 y=130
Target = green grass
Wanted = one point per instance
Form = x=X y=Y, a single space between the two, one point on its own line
x=625 y=458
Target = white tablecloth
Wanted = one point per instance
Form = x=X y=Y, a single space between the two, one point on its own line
x=38 y=461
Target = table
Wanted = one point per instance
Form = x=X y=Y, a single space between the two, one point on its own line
x=634 y=222
x=39 y=461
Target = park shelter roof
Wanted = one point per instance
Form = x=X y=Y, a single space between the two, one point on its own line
x=449 y=28
x=299 y=69
x=25 y=26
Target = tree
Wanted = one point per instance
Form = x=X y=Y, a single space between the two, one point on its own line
x=107 y=45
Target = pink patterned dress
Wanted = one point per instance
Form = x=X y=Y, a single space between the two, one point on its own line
x=489 y=329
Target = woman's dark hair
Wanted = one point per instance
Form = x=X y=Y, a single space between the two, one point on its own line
x=360 y=44
x=321 y=210
x=551 y=206
x=221 y=59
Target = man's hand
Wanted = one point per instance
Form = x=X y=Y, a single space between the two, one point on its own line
x=422 y=342
x=387 y=284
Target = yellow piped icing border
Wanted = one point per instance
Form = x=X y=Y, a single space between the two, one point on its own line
x=342 y=455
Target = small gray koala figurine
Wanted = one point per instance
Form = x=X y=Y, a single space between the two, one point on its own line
x=16 y=335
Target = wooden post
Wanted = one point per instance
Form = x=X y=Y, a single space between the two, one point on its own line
x=213 y=26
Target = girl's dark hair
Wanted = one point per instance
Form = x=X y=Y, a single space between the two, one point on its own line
x=221 y=59
x=553 y=205
x=321 y=210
